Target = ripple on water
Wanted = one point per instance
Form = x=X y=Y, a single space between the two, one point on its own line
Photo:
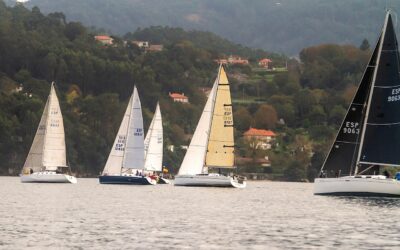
x=265 y=215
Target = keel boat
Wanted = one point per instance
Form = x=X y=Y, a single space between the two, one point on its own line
x=125 y=164
x=211 y=149
x=368 y=139
x=46 y=160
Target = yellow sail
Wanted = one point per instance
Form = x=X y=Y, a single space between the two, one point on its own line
x=220 y=150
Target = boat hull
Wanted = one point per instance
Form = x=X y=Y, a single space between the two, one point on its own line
x=48 y=177
x=127 y=180
x=163 y=181
x=357 y=186
x=208 y=181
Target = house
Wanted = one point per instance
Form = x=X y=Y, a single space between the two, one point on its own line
x=233 y=60
x=155 y=48
x=237 y=60
x=264 y=63
x=104 y=39
x=176 y=97
x=259 y=138
x=141 y=44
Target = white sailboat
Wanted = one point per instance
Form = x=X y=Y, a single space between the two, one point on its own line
x=153 y=147
x=125 y=164
x=46 y=161
x=368 y=138
x=212 y=145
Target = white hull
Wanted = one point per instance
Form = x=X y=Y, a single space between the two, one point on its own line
x=211 y=180
x=365 y=185
x=48 y=177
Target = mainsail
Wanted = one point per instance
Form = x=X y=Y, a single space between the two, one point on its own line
x=134 y=150
x=380 y=142
x=193 y=161
x=343 y=154
x=220 y=151
x=48 y=148
x=153 y=143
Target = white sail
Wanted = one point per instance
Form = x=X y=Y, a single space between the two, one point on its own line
x=193 y=161
x=153 y=144
x=134 y=150
x=34 y=160
x=54 y=152
x=114 y=161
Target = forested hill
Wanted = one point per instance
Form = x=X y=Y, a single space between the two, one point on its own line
x=275 y=25
x=303 y=103
x=94 y=82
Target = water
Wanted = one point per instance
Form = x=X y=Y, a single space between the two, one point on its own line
x=265 y=215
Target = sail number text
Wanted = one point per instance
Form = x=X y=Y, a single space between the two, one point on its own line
x=138 y=132
x=120 y=145
x=228 y=116
x=395 y=95
x=351 y=128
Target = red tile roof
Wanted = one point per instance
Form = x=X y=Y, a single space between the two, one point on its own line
x=102 y=37
x=259 y=132
x=265 y=60
x=177 y=96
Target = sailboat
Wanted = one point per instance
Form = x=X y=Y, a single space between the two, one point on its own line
x=125 y=164
x=212 y=145
x=46 y=160
x=153 y=147
x=368 y=138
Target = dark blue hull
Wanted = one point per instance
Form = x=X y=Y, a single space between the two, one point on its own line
x=128 y=180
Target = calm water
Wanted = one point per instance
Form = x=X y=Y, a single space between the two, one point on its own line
x=265 y=215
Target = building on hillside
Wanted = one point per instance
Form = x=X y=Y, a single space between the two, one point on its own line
x=104 y=39
x=233 y=60
x=265 y=63
x=155 y=48
x=141 y=44
x=259 y=138
x=176 y=97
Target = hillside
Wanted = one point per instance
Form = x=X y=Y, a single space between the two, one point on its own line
x=302 y=102
x=284 y=26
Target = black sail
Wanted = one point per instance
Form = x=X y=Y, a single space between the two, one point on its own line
x=343 y=154
x=380 y=143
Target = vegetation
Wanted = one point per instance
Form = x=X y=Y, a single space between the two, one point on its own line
x=286 y=26
x=304 y=103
